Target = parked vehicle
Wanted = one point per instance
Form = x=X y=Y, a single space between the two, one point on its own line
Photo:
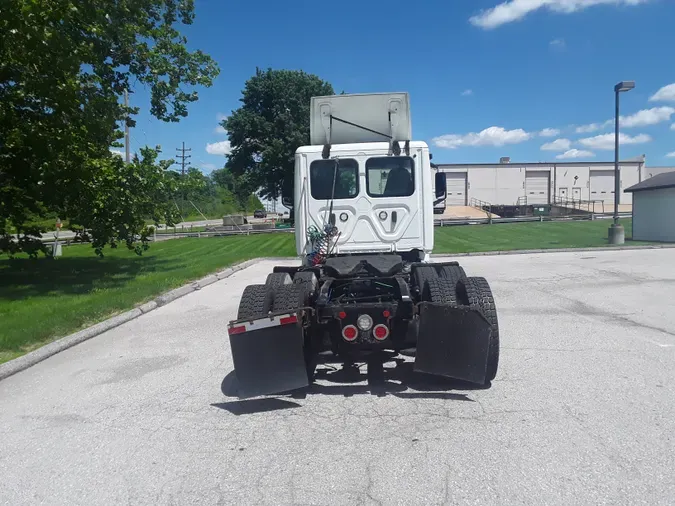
x=365 y=284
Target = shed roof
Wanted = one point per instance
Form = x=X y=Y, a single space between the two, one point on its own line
x=660 y=181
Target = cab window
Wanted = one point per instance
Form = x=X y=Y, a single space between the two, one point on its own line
x=322 y=173
x=390 y=176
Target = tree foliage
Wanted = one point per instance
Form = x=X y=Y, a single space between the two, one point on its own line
x=64 y=64
x=240 y=187
x=271 y=124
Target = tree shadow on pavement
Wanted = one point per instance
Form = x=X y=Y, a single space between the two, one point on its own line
x=399 y=381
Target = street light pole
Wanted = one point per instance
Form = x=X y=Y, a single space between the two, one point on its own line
x=617 y=175
x=616 y=232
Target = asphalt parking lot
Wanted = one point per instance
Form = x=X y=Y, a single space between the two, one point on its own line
x=581 y=411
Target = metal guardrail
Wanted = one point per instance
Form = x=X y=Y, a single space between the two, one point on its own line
x=581 y=205
x=522 y=219
x=438 y=222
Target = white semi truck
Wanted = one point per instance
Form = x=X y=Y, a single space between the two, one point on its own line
x=364 y=286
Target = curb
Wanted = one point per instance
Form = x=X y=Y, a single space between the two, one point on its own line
x=30 y=359
x=550 y=250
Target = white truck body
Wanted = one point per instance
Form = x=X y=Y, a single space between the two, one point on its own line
x=373 y=212
x=368 y=220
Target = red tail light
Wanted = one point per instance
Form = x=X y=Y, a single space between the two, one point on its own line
x=381 y=332
x=349 y=333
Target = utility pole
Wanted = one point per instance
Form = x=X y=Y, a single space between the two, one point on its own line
x=127 y=148
x=183 y=157
x=183 y=163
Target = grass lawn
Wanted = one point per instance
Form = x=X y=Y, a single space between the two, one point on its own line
x=532 y=235
x=43 y=299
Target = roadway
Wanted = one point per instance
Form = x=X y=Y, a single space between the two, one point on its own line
x=581 y=411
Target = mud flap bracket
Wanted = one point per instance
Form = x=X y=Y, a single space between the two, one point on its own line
x=452 y=342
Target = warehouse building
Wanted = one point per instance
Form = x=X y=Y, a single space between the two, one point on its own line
x=654 y=208
x=508 y=183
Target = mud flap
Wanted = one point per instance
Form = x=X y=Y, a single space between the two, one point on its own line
x=452 y=342
x=268 y=355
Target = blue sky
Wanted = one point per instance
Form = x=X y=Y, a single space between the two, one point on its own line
x=529 y=79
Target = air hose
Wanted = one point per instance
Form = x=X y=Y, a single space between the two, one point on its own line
x=320 y=241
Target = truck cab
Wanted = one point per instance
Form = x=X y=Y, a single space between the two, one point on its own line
x=374 y=186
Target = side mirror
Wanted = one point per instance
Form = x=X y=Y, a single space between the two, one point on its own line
x=287 y=196
x=441 y=185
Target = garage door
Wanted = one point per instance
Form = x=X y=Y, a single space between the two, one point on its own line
x=537 y=186
x=602 y=185
x=456 y=188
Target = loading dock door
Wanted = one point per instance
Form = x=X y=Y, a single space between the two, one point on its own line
x=537 y=186
x=602 y=185
x=456 y=182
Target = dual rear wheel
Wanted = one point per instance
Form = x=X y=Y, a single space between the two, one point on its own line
x=449 y=284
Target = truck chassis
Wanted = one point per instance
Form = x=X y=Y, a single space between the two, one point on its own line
x=359 y=307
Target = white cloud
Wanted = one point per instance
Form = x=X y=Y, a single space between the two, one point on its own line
x=220 y=117
x=606 y=141
x=219 y=148
x=549 y=132
x=665 y=94
x=557 y=145
x=575 y=153
x=558 y=44
x=671 y=155
x=588 y=129
x=672 y=127
x=515 y=10
x=117 y=152
x=467 y=93
x=492 y=136
x=647 y=117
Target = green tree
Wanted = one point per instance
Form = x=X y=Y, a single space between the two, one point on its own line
x=241 y=187
x=271 y=124
x=64 y=65
x=121 y=197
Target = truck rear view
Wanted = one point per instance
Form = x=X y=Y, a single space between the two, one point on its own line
x=364 y=286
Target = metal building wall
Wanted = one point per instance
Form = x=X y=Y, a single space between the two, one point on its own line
x=653 y=212
x=504 y=184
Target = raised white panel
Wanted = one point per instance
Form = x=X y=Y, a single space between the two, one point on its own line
x=380 y=113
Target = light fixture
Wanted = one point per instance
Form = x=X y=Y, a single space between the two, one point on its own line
x=364 y=322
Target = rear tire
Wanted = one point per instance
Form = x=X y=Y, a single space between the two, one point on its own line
x=434 y=288
x=290 y=298
x=476 y=293
x=275 y=279
x=256 y=302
